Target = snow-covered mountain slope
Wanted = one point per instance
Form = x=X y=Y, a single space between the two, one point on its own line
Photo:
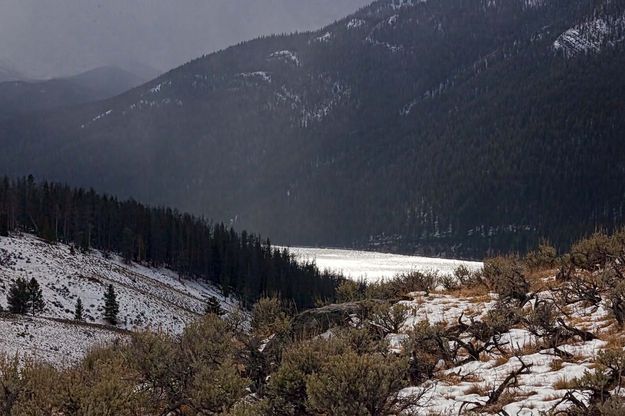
x=155 y=299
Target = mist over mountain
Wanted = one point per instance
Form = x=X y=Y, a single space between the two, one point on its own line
x=24 y=97
x=8 y=72
x=64 y=37
x=455 y=127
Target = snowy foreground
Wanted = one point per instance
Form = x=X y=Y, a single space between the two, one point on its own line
x=537 y=391
x=157 y=299
x=373 y=266
x=149 y=299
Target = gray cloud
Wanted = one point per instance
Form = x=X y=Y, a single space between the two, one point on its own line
x=47 y=38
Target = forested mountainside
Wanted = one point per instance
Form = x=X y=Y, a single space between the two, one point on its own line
x=453 y=127
x=24 y=97
x=240 y=264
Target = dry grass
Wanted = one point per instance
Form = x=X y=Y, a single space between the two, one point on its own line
x=556 y=365
x=479 y=389
x=529 y=348
x=451 y=379
x=474 y=293
x=505 y=399
x=563 y=384
x=485 y=357
x=540 y=280
x=472 y=378
x=614 y=338
x=501 y=360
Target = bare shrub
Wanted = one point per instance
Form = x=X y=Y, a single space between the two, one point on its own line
x=502 y=317
x=390 y=318
x=497 y=394
x=417 y=282
x=594 y=253
x=614 y=406
x=352 y=384
x=386 y=290
x=617 y=302
x=585 y=288
x=598 y=384
x=544 y=257
x=363 y=340
x=351 y=291
x=426 y=345
x=269 y=317
x=286 y=389
x=545 y=322
x=450 y=283
x=505 y=276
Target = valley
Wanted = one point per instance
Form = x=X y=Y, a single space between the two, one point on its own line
x=417 y=209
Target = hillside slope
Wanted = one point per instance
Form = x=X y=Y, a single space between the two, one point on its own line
x=24 y=97
x=453 y=127
x=153 y=299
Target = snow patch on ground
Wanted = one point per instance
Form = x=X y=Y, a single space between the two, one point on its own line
x=287 y=56
x=398 y=4
x=355 y=23
x=260 y=75
x=325 y=38
x=591 y=36
x=61 y=343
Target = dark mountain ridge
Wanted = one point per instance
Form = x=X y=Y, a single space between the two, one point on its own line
x=447 y=127
x=20 y=97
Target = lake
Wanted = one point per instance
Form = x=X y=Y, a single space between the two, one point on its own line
x=373 y=266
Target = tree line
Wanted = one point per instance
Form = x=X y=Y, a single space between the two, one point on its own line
x=242 y=264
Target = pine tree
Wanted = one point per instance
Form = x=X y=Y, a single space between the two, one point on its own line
x=111 y=307
x=214 y=307
x=4 y=225
x=35 y=297
x=18 y=297
x=78 y=311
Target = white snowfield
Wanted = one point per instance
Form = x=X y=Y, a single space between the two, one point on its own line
x=155 y=299
x=372 y=266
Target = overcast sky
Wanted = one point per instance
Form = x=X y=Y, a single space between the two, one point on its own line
x=46 y=38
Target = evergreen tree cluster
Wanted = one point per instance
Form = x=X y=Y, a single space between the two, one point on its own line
x=242 y=264
x=25 y=297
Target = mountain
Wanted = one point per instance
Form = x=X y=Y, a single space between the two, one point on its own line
x=23 y=97
x=8 y=71
x=108 y=81
x=448 y=127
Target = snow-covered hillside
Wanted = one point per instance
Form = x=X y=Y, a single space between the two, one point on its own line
x=154 y=299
